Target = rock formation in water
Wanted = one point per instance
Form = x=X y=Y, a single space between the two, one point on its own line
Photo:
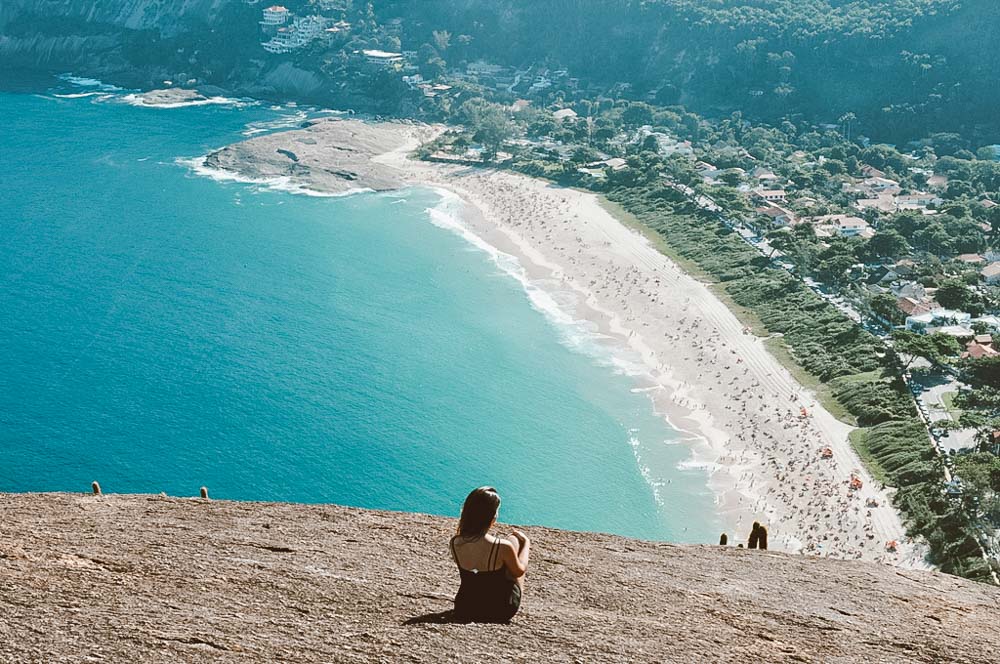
x=330 y=156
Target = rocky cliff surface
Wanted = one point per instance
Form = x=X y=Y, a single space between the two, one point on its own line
x=140 y=43
x=150 y=578
x=164 y=16
x=329 y=155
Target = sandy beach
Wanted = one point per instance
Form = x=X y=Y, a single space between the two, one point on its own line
x=755 y=429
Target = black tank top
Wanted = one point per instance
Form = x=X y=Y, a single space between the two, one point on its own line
x=486 y=596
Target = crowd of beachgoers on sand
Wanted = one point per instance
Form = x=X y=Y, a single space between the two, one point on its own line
x=772 y=453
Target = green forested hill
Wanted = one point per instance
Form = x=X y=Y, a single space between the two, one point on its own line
x=905 y=67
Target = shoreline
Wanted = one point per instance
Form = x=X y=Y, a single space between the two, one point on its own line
x=735 y=406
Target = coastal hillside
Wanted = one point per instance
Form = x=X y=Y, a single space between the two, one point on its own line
x=151 y=578
x=902 y=66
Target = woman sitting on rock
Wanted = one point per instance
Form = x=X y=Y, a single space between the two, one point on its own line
x=491 y=568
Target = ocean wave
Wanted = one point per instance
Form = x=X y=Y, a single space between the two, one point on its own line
x=711 y=467
x=198 y=166
x=140 y=100
x=576 y=334
x=84 y=82
x=284 y=122
x=654 y=484
x=79 y=95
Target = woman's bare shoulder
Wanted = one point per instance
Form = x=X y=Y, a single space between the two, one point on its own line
x=508 y=543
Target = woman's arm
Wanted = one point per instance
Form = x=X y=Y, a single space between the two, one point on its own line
x=516 y=554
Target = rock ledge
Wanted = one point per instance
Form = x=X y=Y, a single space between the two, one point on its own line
x=150 y=578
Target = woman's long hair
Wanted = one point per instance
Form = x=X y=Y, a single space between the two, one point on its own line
x=478 y=512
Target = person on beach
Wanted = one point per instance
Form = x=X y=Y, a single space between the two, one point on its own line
x=758 y=537
x=724 y=540
x=754 y=536
x=491 y=568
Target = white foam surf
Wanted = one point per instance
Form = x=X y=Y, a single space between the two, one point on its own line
x=553 y=303
x=142 y=101
x=198 y=166
x=84 y=82
x=78 y=95
x=290 y=121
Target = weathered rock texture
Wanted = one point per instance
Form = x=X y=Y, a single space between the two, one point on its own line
x=329 y=155
x=148 y=579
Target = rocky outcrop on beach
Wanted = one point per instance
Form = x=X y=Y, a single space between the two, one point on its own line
x=157 y=579
x=329 y=155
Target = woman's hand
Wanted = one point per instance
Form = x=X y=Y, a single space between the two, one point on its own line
x=521 y=537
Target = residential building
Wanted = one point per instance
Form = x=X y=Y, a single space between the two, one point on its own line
x=946 y=321
x=337 y=29
x=302 y=31
x=882 y=203
x=878 y=185
x=871 y=172
x=917 y=201
x=991 y=273
x=381 y=58
x=981 y=346
x=666 y=144
x=913 y=289
x=771 y=195
x=278 y=44
x=937 y=181
x=844 y=225
x=565 y=115
x=911 y=306
x=709 y=173
x=672 y=146
x=764 y=175
x=906 y=268
x=873 y=187
x=309 y=28
x=779 y=215
x=596 y=169
x=991 y=322
x=614 y=163
x=275 y=15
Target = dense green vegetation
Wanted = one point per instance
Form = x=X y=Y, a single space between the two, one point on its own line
x=902 y=67
x=856 y=366
x=897 y=69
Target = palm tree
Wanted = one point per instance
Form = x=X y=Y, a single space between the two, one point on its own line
x=845 y=120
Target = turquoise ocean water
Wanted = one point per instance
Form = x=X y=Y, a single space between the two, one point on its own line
x=160 y=331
